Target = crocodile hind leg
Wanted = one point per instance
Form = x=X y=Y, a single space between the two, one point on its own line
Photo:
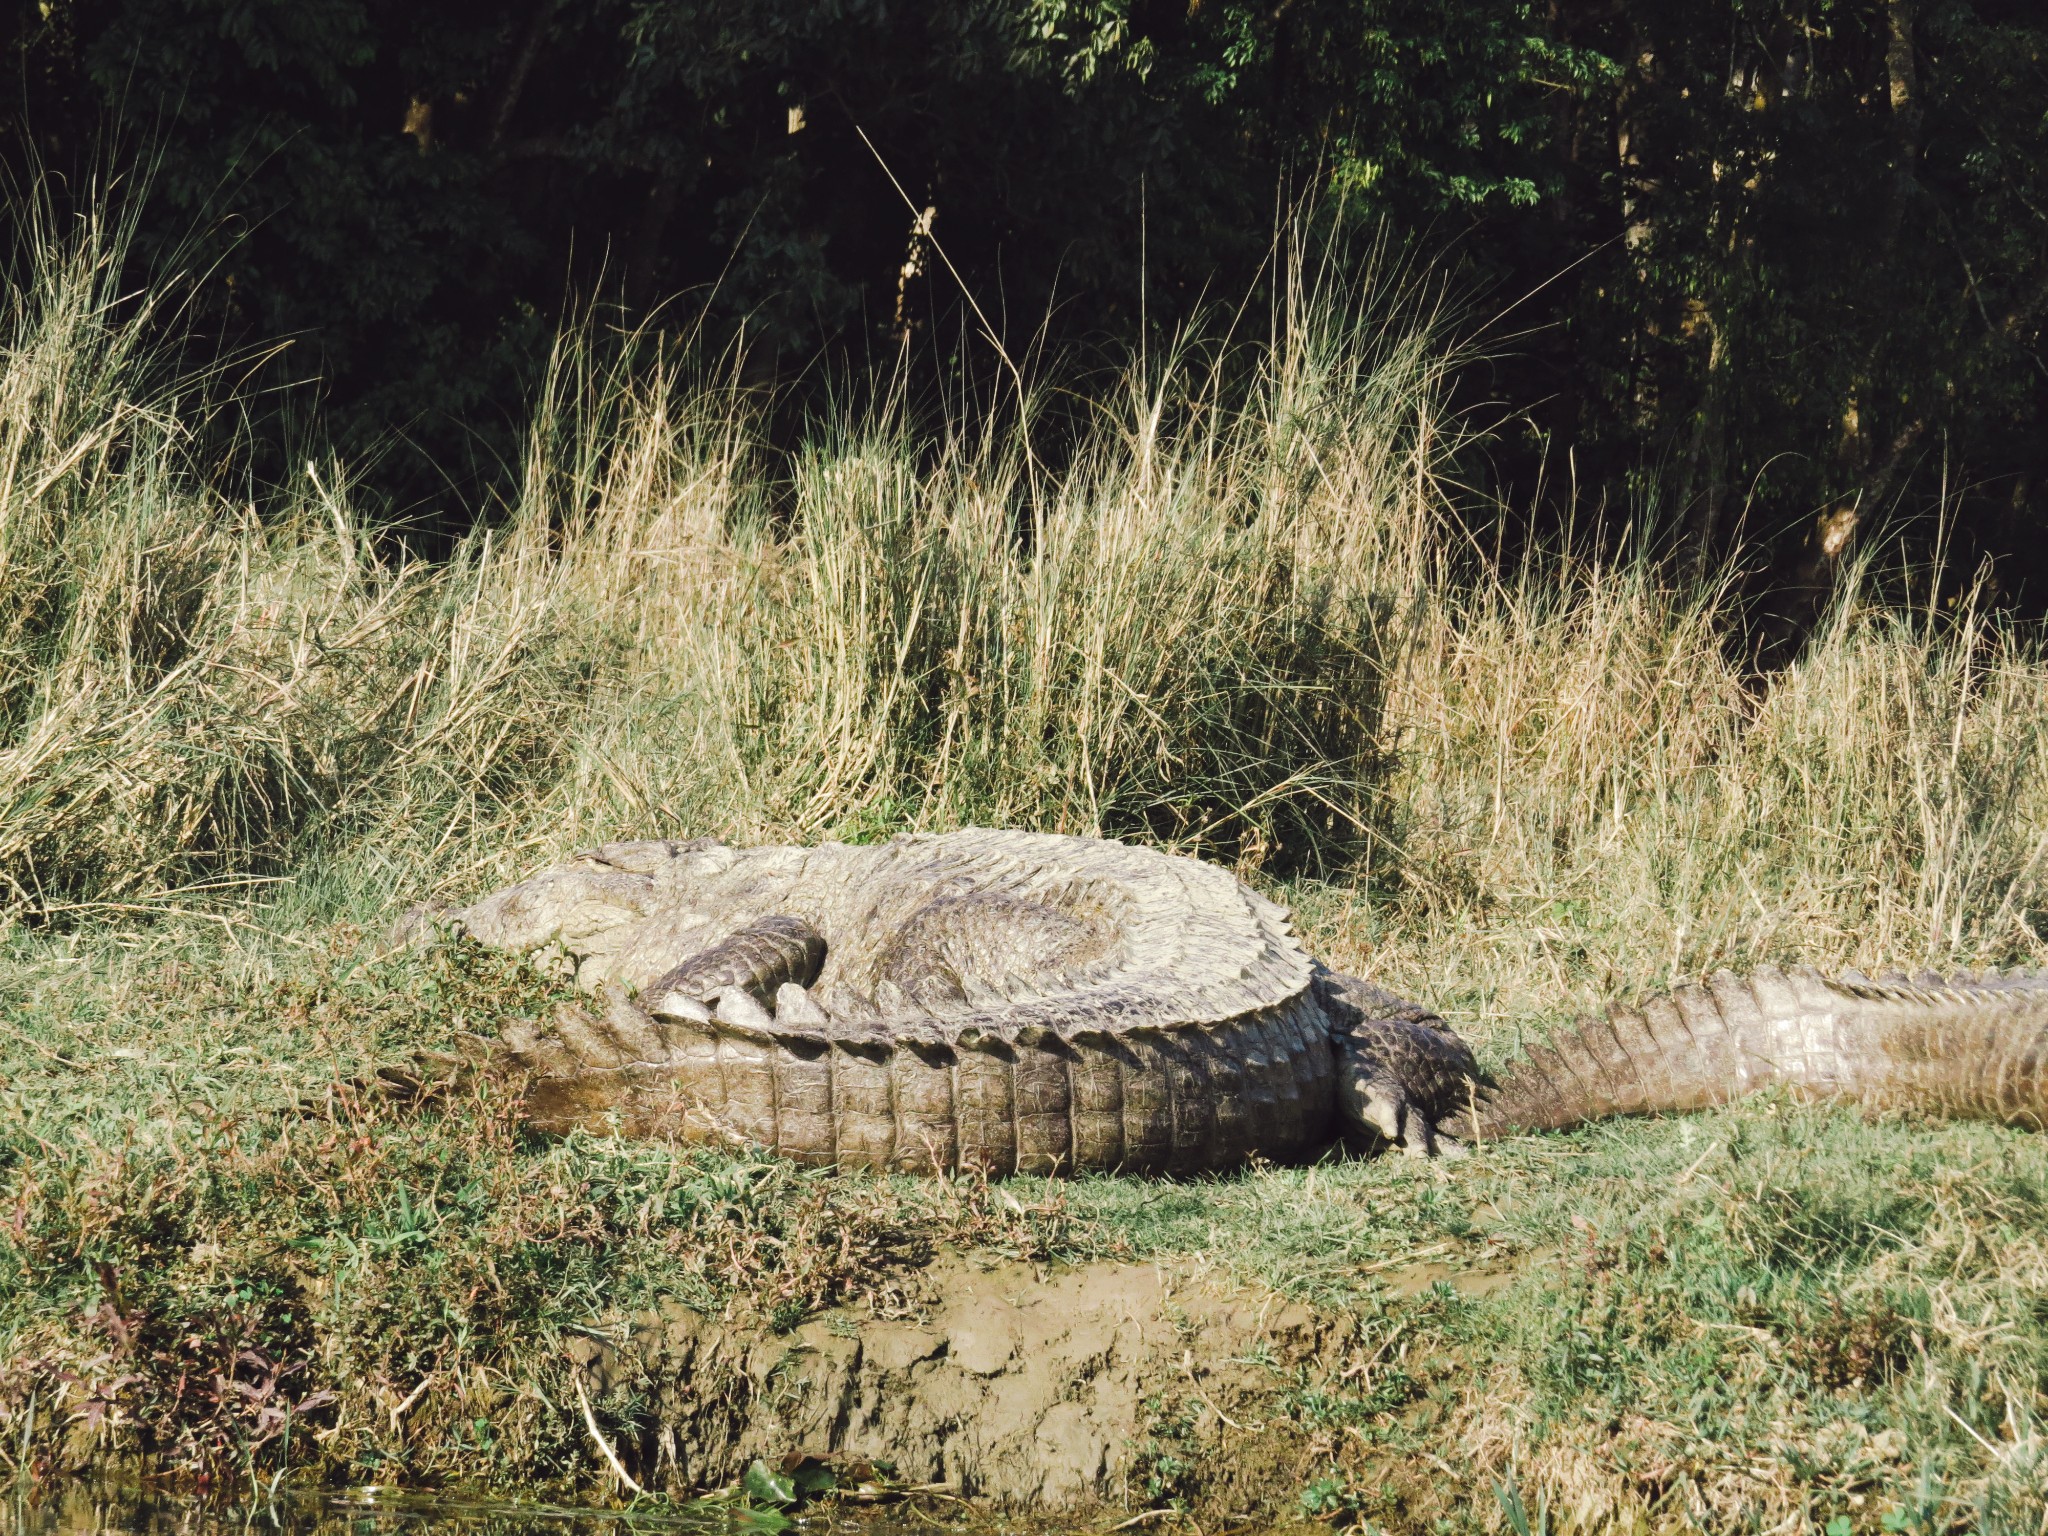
x=756 y=961
x=1403 y=1076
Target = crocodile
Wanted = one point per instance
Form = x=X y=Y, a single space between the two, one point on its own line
x=1019 y=1002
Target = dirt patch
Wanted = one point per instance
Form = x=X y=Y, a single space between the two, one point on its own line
x=1021 y=1388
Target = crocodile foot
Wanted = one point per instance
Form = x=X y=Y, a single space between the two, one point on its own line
x=1404 y=1077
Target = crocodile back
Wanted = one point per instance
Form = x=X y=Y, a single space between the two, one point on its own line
x=1004 y=1001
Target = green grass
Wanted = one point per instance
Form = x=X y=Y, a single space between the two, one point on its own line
x=1241 y=618
x=1716 y=1322
x=217 y=1234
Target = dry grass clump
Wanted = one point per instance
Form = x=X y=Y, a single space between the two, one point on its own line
x=935 y=632
x=1590 y=797
x=190 y=692
x=1182 y=634
x=1237 y=618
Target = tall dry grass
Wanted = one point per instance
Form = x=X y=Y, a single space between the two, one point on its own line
x=1240 y=617
x=1179 y=635
x=1592 y=798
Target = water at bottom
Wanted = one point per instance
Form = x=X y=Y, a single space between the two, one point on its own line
x=77 y=1511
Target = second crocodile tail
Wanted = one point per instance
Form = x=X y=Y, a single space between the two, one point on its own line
x=1967 y=1046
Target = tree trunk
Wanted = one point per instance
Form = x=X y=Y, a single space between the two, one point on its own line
x=1805 y=582
x=522 y=66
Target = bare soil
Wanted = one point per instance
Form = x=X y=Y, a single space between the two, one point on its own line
x=1020 y=1387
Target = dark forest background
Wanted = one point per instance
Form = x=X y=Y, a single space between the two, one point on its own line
x=1777 y=269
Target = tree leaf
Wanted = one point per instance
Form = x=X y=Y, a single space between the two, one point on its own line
x=766 y=1485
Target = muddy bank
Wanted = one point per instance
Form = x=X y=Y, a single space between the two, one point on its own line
x=1119 y=1385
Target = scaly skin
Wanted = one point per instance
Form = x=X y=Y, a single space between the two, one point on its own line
x=760 y=959
x=1024 y=1003
x=996 y=1000
x=1969 y=1047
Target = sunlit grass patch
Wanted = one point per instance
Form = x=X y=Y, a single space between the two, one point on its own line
x=1722 y=1321
x=212 y=1249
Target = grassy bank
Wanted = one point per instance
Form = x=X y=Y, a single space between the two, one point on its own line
x=1240 y=616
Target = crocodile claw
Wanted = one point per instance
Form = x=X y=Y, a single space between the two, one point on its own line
x=1403 y=1077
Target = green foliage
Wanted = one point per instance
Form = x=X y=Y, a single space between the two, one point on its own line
x=1333 y=1497
x=1755 y=254
x=1829 y=274
x=1165 y=1463
x=1516 y=1511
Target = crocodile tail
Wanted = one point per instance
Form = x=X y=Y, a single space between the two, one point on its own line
x=1967 y=1046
